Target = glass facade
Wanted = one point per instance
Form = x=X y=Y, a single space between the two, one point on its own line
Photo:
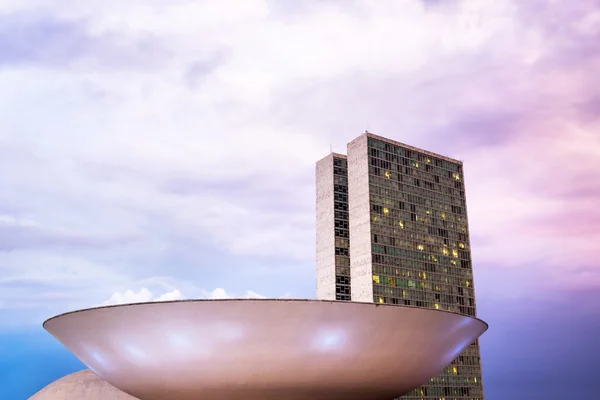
x=421 y=250
x=342 y=232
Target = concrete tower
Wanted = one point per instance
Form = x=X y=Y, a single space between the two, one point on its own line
x=409 y=244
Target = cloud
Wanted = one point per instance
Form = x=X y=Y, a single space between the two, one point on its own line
x=129 y=296
x=220 y=293
x=144 y=295
x=69 y=42
x=25 y=233
x=57 y=40
x=253 y=295
x=181 y=145
x=170 y=296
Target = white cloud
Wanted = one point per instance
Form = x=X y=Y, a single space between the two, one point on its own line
x=145 y=295
x=129 y=296
x=220 y=293
x=193 y=156
x=253 y=295
x=170 y=296
x=11 y=220
x=143 y=129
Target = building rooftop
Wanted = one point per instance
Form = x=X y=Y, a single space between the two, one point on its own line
x=396 y=143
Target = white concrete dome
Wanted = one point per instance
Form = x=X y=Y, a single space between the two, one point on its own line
x=81 y=385
x=265 y=349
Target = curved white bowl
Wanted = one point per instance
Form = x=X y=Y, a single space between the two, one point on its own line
x=265 y=349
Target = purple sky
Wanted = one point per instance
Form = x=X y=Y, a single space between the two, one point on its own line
x=166 y=151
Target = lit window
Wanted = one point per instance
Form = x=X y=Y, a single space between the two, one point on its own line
x=417 y=165
x=388 y=174
x=443 y=215
x=455 y=252
x=445 y=251
x=467 y=283
x=386 y=210
x=456 y=176
x=428 y=160
x=453 y=262
x=421 y=247
x=461 y=245
x=375 y=278
x=428 y=212
x=437 y=306
x=374 y=218
x=424 y=275
x=455 y=370
x=401 y=223
x=381 y=300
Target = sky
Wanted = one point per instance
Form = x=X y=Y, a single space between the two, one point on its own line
x=155 y=150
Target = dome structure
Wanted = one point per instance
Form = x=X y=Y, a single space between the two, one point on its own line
x=265 y=349
x=81 y=385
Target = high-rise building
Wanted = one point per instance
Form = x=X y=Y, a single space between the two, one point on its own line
x=401 y=212
x=333 y=233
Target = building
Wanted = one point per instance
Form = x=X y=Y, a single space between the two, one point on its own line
x=81 y=385
x=333 y=232
x=392 y=228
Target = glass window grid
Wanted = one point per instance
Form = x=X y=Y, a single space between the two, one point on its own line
x=435 y=282
x=342 y=232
